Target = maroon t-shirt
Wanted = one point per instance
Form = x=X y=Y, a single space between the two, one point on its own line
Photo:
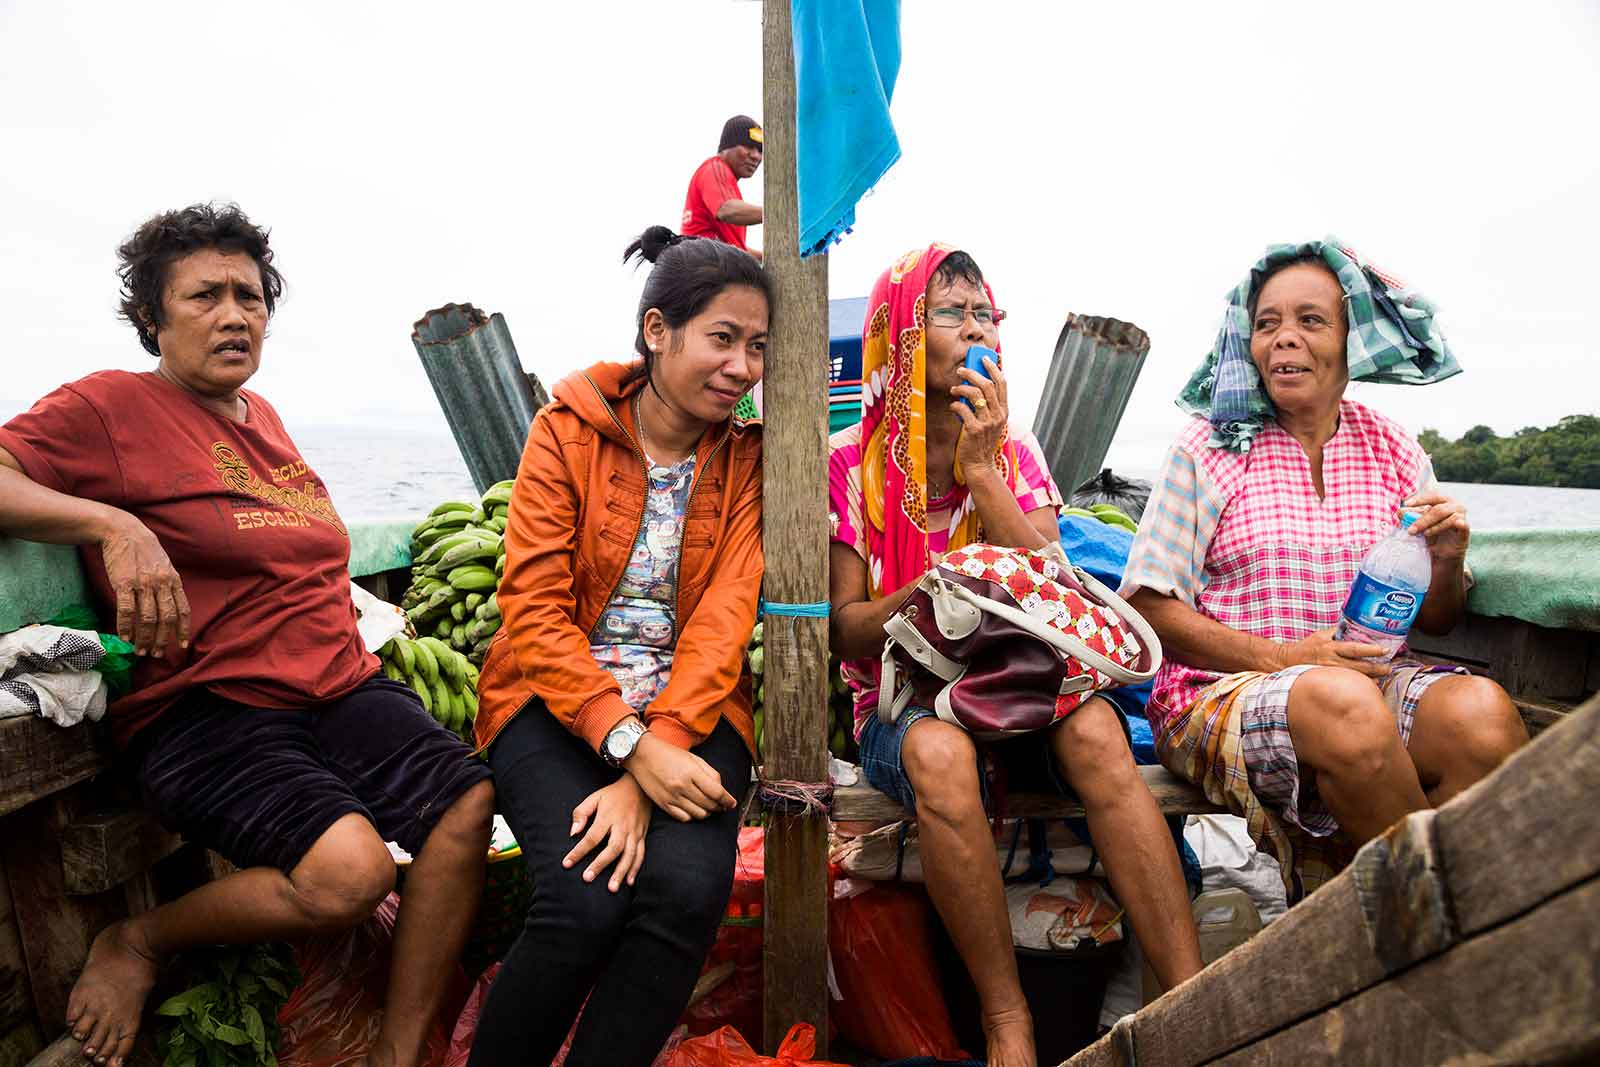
x=712 y=185
x=263 y=555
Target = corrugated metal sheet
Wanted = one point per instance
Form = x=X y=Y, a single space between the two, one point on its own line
x=487 y=398
x=1096 y=363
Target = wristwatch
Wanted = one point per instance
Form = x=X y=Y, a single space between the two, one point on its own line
x=621 y=741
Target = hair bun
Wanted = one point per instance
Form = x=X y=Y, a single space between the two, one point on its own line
x=649 y=245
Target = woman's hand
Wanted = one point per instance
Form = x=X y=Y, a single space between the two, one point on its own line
x=152 y=610
x=619 y=815
x=682 y=784
x=983 y=425
x=1444 y=523
x=1321 y=650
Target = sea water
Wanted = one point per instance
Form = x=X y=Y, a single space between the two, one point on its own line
x=1388 y=590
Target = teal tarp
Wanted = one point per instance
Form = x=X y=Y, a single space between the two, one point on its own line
x=38 y=581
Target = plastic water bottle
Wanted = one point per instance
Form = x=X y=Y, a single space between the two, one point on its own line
x=1388 y=591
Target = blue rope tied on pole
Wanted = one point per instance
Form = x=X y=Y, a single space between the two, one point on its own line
x=788 y=797
x=816 y=610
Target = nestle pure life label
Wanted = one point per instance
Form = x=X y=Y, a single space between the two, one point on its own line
x=1380 y=607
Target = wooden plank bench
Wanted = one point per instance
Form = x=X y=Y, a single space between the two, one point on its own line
x=862 y=803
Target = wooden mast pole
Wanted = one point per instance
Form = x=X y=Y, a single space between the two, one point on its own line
x=795 y=534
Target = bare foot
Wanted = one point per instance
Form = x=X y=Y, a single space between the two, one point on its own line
x=380 y=1054
x=104 y=1008
x=1010 y=1039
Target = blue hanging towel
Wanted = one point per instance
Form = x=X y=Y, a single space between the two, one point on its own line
x=846 y=59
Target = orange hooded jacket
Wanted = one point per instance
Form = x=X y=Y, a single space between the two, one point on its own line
x=575 y=513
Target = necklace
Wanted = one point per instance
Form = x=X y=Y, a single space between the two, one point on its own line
x=638 y=420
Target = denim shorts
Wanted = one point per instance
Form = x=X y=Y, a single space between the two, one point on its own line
x=1025 y=761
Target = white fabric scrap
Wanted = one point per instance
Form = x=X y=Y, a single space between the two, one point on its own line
x=49 y=671
x=379 y=621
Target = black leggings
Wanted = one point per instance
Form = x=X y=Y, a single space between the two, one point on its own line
x=635 y=953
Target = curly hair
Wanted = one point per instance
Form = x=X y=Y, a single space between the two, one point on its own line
x=161 y=241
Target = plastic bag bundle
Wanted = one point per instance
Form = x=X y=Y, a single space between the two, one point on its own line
x=1128 y=494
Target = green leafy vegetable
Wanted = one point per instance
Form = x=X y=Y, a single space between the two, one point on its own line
x=228 y=1017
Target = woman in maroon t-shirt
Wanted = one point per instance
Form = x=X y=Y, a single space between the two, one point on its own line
x=258 y=724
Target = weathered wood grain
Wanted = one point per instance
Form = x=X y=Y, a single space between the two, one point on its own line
x=16 y=1005
x=38 y=758
x=1521 y=842
x=1538 y=662
x=56 y=929
x=862 y=803
x=1529 y=830
x=20 y=1044
x=795 y=537
x=65 y=1052
x=1459 y=1008
x=106 y=848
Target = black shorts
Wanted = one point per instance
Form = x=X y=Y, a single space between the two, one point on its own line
x=261 y=785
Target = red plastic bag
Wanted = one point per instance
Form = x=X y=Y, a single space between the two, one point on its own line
x=333 y=1015
x=725 y=1048
x=882 y=954
x=736 y=999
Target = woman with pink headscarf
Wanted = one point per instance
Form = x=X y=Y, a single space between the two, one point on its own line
x=935 y=464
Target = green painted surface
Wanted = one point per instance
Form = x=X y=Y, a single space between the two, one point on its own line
x=380 y=546
x=37 y=581
x=1548 y=577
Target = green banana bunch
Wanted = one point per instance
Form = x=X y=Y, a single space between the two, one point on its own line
x=442 y=678
x=458 y=555
x=1109 y=514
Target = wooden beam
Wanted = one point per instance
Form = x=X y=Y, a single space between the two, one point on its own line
x=20 y=1044
x=56 y=929
x=795 y=535
x=1424 y=906
x=862 y=803
x=102 y=850
x=38 y=758
x=16 y=1004
x=1455 y=1008
x=65 y=1052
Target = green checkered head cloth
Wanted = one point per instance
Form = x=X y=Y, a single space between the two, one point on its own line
x=1393 y=339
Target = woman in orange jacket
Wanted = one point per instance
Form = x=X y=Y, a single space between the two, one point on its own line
x=614 y=702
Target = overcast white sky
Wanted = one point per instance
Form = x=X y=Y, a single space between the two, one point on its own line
x=1129 y=160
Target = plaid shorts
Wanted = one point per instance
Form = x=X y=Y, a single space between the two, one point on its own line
x=1269 y=752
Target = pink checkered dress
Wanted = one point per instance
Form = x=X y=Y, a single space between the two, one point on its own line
x=1244 y=539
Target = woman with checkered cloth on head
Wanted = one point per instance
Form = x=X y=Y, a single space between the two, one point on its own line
x=1269 y=500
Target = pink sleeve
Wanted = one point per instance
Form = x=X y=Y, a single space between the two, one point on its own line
x=845 y=520
x=1035 y=488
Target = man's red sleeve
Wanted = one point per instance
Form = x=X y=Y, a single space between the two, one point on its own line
x=715 y=186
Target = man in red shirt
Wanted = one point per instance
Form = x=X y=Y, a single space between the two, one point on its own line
x=713 y=206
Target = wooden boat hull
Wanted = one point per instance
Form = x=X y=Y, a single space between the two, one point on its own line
x=1469 y=934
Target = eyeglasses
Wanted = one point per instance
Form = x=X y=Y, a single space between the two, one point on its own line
x=953 y=318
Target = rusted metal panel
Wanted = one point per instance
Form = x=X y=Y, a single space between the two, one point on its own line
x=488 y=399
x=1096 y=363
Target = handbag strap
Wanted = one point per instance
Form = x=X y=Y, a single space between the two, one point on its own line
x=1069 y=645
x=918 y=648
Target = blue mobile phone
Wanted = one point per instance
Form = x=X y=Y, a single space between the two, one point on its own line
x=974 y=362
